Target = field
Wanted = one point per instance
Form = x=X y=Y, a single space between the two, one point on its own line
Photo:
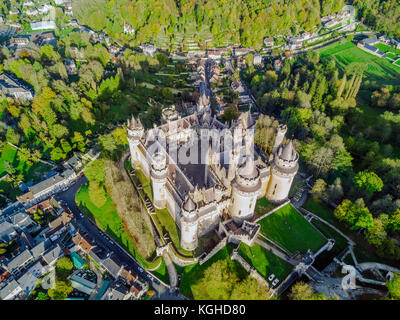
x=385 y=48
x=193 y=274
x=378 y=70
x=29 y=172
x=264 y=261
x=288 y=228
x=161 y=272
x=263 y=206
x=108 y=220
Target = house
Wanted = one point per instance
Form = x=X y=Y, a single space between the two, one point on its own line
x=257 y=59
x=295 y=43
x=28 y=3
x=48 y=187
x=68 y=8
x=14 y=24
x=332 y=23
x=80 y=281
x=369 y=41
x=214 y=54
x=128 y=29
x=148 y=49
x=269 y=42
x=10 y=291
x=51 y=256
x=241 y=51
x=84 y=242
x=92 y=154
x=11 y=87
x=46 y=38
x=20 y=262
x=237 y=86
x=71 y=68
x=44 y=206
x=116 y=291
x=45 y=8
x=114 y=50
x=14 y=11
x=21 y=220
x=7 y=231
x=38 y=250
x=278 y=65
x=32 y=12
x=43 y=25
x=137 y=290
x=112 y=265
x=58 y=2
x=27 y=282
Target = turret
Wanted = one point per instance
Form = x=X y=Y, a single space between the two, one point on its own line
x=280 y=135
x=189 y=224
x=135 y=133
x=283 y=170
x=245 y=189
x=159 y=172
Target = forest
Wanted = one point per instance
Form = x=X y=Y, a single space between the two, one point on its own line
x=346 y=135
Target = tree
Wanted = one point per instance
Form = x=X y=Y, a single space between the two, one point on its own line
x=42 y=296
x=319 y=186
x=394 y=286
x=64 y=266
x=95 y=171
x=12 y=135
x=304 y=291
x=61 y=291
x=376 y=234
x=368 y=181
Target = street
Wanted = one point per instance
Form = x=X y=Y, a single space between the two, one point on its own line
x=68 y=197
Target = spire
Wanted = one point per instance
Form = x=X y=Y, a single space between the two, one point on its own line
x=189 y=205
x=288 y=152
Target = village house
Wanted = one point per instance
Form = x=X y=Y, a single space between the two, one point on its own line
x=11 y=87
x=269 y=42
x=48 y=187
x=71 y=68
x=257 y=59
x=43 y=25
x=241 y=51
x=128 y=29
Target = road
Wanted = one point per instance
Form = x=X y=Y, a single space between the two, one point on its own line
x=161 y=292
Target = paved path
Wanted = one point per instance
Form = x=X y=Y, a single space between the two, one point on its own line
x=99 y=284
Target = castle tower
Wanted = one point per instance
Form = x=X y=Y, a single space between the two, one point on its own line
x=283 y=169
x=158 y=175
x=189 y=224
x=135 y=133
x=245 y=189
x=280 y=135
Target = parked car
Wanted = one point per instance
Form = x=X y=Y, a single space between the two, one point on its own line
x=275 y=282
x=271 y=277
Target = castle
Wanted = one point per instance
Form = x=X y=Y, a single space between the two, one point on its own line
x=223 y=184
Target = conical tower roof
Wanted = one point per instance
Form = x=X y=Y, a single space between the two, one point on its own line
x=288 y=152
x=189 y=205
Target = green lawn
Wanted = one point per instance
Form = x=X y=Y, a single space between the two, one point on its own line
x=161 y=272
x=33 y=172
x=108 y=220
x=263 y=206
x=288 y=228
x=264 y=261
x=378 y=70
x=167 y=224
x=193 y=274
x=385 y=48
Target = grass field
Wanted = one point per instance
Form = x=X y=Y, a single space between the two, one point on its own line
x=264 y=261
x=378 y=70
x=385 y=48
x=108 y=220
x=33 y=172
x=288 y=228
x=161 y=272
x=263 y=206
x=193 y=274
